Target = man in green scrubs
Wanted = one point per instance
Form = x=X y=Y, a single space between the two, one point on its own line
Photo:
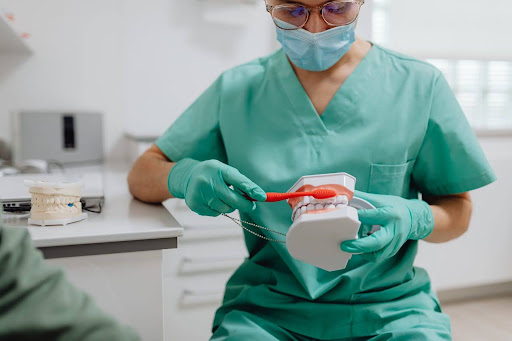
x=37 y=302
x=389 y=120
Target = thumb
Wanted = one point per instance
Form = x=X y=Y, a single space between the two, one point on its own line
x=376 y=216
x=372 y=243
x=376 y=200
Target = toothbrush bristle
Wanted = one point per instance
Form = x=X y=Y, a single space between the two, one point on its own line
x=324 y=193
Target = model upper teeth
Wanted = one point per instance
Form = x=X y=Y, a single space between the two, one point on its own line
x=54 y=200
x=308 y=204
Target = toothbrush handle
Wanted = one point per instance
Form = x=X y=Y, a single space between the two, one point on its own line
x=273 y=197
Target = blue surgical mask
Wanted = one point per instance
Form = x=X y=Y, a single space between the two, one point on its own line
x=316 y=51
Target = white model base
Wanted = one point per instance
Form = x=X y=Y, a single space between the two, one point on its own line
x=58 y=221
x=316 y=238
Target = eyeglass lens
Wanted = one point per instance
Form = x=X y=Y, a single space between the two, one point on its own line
x=335 y=13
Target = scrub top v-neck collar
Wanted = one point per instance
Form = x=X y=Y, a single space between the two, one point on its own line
x=338 y=111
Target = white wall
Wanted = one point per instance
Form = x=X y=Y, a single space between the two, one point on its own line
x=170 y=57
x=76 y=62
x=452 y=28
x=364 y=22
x=140 y=62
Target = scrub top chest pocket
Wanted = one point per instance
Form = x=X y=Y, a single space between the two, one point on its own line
x=390 y=179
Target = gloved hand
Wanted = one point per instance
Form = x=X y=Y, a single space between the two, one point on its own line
x=401 y=220
x=205 y=187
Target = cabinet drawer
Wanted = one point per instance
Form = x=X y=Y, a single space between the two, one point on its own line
x=204 y=257
x=190 y=305
x=191 y=265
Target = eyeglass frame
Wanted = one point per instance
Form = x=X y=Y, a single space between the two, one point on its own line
x=310 y=9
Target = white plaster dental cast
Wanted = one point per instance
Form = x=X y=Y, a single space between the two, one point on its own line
x=320 y=226
x=55 y=203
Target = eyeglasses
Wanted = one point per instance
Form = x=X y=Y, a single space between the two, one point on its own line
x=334 y=13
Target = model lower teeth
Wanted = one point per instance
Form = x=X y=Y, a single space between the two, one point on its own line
x=308 y=205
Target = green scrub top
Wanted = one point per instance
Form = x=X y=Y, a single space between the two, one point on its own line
x=38 y=303
x=394 y=124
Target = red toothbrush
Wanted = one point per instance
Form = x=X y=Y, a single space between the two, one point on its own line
x=317 y=194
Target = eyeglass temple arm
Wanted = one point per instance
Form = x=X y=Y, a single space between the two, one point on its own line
x=270 y=7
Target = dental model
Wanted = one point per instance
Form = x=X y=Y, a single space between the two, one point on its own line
x=324 y=214
x=55 y=203
x=320 y=225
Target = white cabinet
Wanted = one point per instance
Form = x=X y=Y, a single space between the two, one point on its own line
x=196 y=273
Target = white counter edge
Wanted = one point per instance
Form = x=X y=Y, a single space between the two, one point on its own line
x=172 y=232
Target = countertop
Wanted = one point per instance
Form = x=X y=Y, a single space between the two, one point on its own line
x=122 y=218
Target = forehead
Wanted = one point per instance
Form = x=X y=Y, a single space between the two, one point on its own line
x=310 y=3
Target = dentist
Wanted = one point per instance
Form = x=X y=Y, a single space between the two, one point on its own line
x=326 y=102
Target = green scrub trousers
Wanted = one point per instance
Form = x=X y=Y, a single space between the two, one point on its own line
x=395 y=125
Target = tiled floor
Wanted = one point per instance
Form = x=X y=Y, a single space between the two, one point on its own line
x=486 y=319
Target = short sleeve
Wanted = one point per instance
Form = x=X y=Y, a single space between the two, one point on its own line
x=196 y=134
x=450 y=160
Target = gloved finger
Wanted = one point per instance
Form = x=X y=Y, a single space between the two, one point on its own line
x=206 y=211
x=374 y=199
x=370 y=257
x=391 y=250
x=200 y=207
x=234 y=199
x=233 y=177
x=376 y=216
x=372 y=243
x=219 y=206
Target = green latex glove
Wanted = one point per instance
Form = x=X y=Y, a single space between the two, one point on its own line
x=401 y=220
x=205 y=187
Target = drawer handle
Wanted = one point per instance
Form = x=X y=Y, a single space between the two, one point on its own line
x=193 y=298
x=191 y=265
